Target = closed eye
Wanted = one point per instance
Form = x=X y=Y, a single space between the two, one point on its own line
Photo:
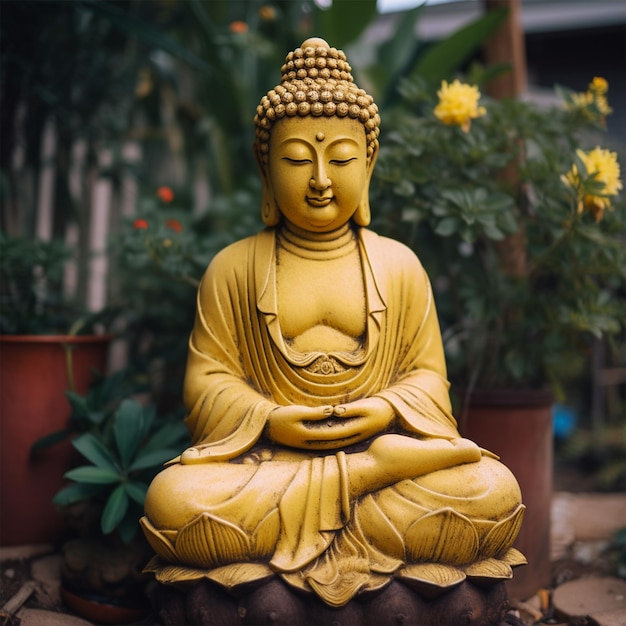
x=297 y=161
x=343 y=161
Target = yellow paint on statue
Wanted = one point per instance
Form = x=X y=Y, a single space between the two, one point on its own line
x=324 y=448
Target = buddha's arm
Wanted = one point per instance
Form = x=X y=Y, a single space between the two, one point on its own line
x=418 y=391
x=392 y=458
x=226 y=410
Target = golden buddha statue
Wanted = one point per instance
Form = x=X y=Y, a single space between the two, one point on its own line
x=324 y=449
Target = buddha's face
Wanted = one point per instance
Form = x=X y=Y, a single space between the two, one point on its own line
x=318 y=170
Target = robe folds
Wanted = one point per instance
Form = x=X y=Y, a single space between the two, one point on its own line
x=251 y=509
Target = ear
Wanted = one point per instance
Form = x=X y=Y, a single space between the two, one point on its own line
x=270 y=213
x=363 y=215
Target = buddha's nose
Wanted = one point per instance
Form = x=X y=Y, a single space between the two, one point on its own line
x=320 y=180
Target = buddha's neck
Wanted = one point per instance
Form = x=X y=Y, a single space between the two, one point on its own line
x=320 y=246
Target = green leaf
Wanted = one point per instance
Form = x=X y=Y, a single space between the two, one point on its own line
x=51 y=439
x=93 y=475
x=491 y=230
x=137 y=491
x=114 y=510
x=447 y=226
x=468 y=234
x=404 y=188
x=440 y=210
x=395 y=54
x=440 y=61
x=459 y=198
x=128 y=428
x=498 y=202
x=153 y=459
x=507 y=222
x=128 y=528
x=149 y=416
x=344 y=20
x=95 y=451
x=75 y=493
x=77 y=402
x=515 y=364
x=166 y=436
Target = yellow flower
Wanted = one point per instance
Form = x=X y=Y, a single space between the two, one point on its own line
x=580 y=100
x=458 y=104
x=601 y=167
x=592 y=103
x=603 y=106
x=599 y=85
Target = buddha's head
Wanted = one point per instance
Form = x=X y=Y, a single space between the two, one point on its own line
x=317 y=124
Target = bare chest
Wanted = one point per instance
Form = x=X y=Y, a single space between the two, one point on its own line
x=321 y=303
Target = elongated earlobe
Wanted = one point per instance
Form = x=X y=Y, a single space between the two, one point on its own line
x=363 y=215
x=270 y=213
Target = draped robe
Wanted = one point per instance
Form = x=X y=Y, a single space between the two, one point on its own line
x=252 y=509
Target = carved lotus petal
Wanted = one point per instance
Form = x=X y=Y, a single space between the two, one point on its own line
x=334 y=578
x=237 y=574
x=503 y=534
x=444 y=536
x=160 y=544
x=342 y=590
x=297 y=580
x=489 y=571
x=154 y=565
x=378 y=529
x=375 y=582
x=264 y=538
x=208 y=541
x=178 y=574
x=514 y=558
x=167 y=573
x=431 y=579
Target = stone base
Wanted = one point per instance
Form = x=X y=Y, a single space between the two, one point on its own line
x=275 y=603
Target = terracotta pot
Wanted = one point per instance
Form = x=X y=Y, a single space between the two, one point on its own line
x=33 y=381
x=99 y=610
x=102 y=578
x=517 y=426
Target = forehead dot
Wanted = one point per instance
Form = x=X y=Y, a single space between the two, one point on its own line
x=319 y=136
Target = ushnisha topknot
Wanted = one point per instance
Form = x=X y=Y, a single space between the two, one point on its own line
x=316 y=80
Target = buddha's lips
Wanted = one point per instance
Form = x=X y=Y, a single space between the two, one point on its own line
x=319 y=202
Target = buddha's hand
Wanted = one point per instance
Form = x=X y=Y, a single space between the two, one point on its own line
x=329 y=428
x=364 y=418
x=296 y=425
x=422 y=456
x=199 y=453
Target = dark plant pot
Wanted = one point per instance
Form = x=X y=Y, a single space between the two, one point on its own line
x=103 y=580
x=99 y=610
x=517 y=426
x=33 y=381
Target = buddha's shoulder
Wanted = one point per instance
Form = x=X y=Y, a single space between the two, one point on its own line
x=234 y=254
x=391 y=251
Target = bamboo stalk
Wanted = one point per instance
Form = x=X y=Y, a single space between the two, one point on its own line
x=13 y=604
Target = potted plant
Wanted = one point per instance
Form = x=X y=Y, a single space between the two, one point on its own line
x=526 y=270
x=46 y=348
x=124 y=445
x=516 y=217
